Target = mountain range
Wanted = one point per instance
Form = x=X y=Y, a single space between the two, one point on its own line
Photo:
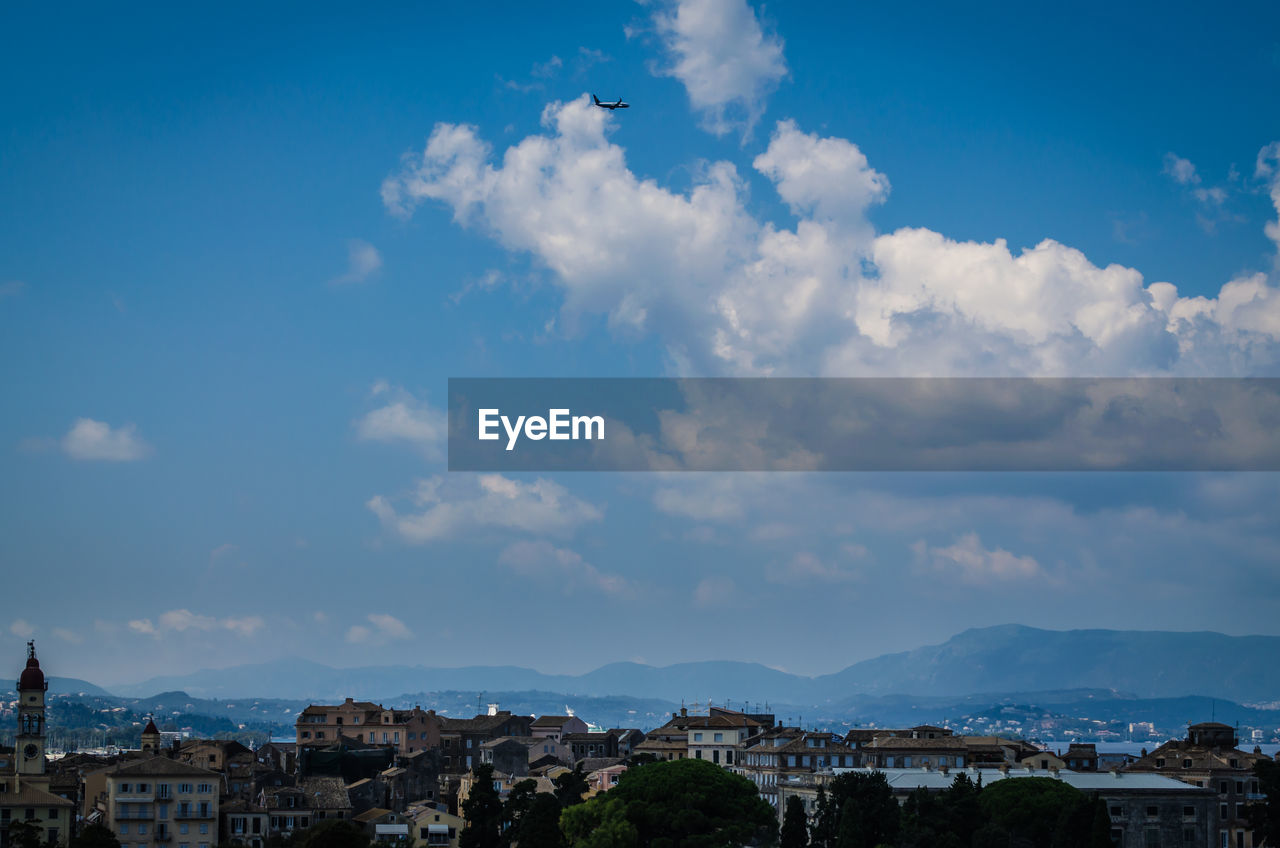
x=1002 y=658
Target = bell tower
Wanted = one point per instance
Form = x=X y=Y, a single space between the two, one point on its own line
x=29 y=744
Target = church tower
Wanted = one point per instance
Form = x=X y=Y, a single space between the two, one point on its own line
x=30 y=743
x=151 y=738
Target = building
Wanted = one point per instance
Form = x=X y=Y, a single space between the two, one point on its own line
x=25 y=796
x=461 y=738
x=784 y=754
x=433 y=825
x=293 y=808
x=243 y=823
x=557 y=726
x=363 y=721
x=514 y=755
x=591 y=745
x=157 y=801
x=1208 y=757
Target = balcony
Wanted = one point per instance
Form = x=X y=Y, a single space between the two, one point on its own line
x=194 y=813
x=135 y=815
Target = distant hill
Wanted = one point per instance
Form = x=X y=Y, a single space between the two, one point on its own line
x=73 y=686
x=1004 y=658
x=1011 y=657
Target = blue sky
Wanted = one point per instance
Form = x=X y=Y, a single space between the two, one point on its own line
x=241 y=250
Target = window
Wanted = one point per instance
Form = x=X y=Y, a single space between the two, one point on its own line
x=124 y=787
x=1117 y=812
x=718 y=737
x=204 y=788
x=1153 y=812
x=1188 y=812
x=143 y=787
x=1159 y=762
x=1188 y=836
x=184 y=788
x=697 y=737
x=1151 y=838
x=1186 y=763
x=124 y=828
x=1239 y=787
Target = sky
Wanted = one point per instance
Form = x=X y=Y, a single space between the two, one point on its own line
x=242 y=249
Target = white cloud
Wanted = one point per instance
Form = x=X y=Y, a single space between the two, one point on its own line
x=1183 y=171
x=542 y=559
x=22 y=628
x=715 y=592
x=382 y=628
x=68 y=635
x=806 y=568
x=465 y=504
x=1268 y=170
x=96 y=440
x=404 y=420
x=733 y=294
x=183 y=620
x=363 y=261
x=727 y=64
x=969 y=562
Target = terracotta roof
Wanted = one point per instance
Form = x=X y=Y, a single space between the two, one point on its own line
x=33 y=796
x=371 y=814
x=159 y=766
x=552 y=721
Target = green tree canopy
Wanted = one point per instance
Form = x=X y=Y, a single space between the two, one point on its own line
x=1264 y=816
x=483 y=811
x=869 y=815
x=95 y=836
x=795 y=825
x=1040 y=812
x=686 y=803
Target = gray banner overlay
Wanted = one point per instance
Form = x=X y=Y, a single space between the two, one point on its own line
x=873 y=424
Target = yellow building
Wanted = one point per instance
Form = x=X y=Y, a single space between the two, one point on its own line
x=25 y=799
x=162 y=803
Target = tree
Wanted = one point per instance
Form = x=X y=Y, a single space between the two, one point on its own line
x=23 y=834
x=1038 y=811
x=869 y=816
x=571 y=786
x=95 y=836
x=822 y=833
x=519 y=800
x=690 y=803
x=483 y=812
x=1264 y=816
x=539 y=827
x=599 y=823
x=795 y=825
x=333 y=833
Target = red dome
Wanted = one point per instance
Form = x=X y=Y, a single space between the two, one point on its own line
x=32 y=677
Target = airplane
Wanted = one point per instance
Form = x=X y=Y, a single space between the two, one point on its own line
x=617 y=104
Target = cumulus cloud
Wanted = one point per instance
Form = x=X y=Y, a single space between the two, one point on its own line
x=720 y=53
x=440 y=510
x=715 y=592
x=184 y=620
x=69 y=636
x=381 y=628
x=806 y=568
x=363 y=262
x=1268 y=170
x=969 y=562
x=544 y=560
x=96 y=440
x=1211 y=198
x=403 y=419
x=732 y=294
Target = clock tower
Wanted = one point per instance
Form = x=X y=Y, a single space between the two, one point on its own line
x=29 y=742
